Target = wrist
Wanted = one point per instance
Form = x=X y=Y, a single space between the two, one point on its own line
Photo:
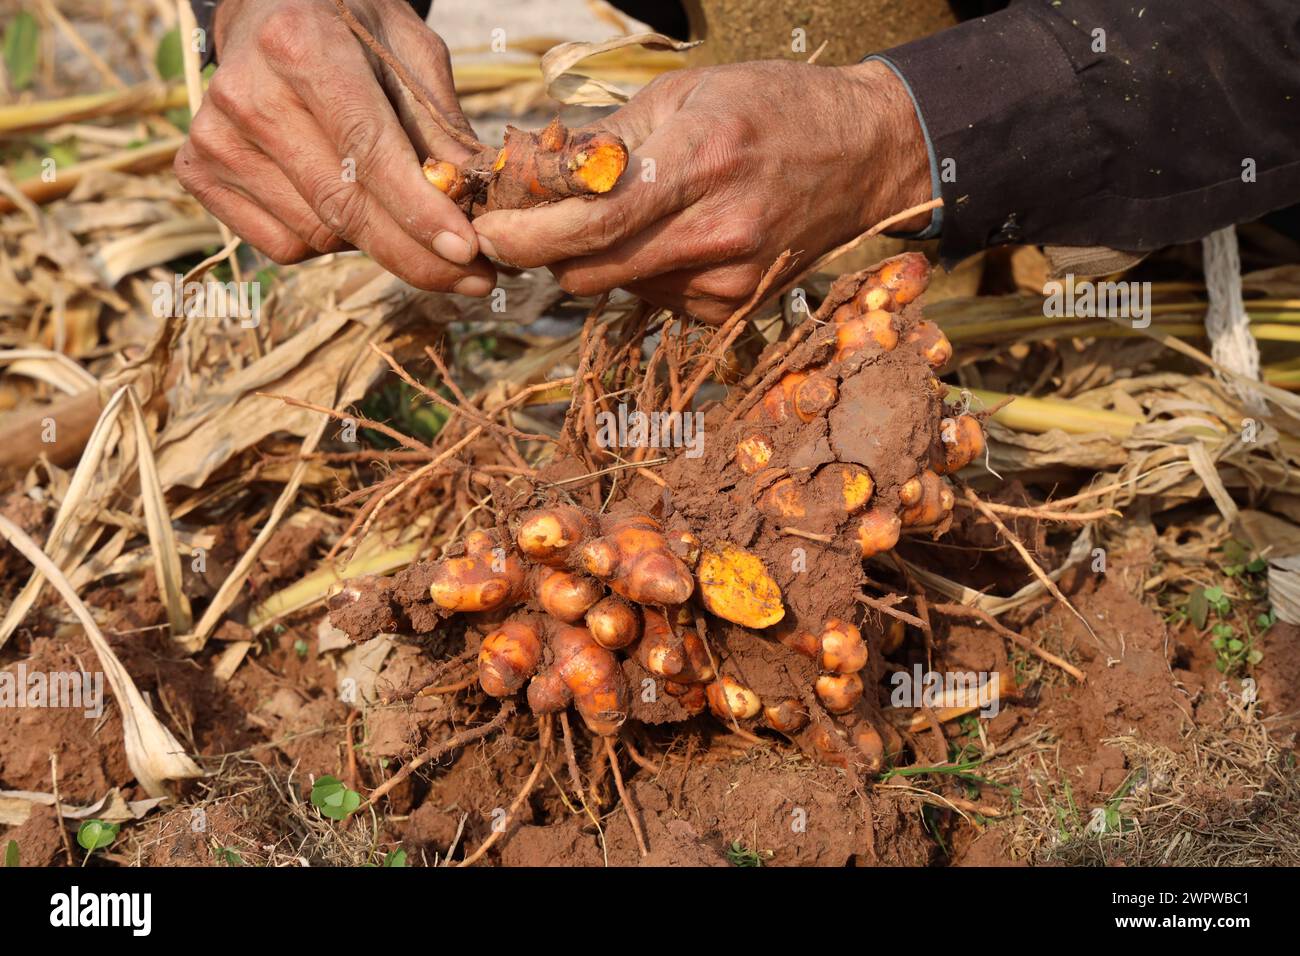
x=896 y=172
x=230 y=18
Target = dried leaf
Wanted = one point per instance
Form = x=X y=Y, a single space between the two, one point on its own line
x=154 y=755
x=162 y=539
x=101 y=441
x=16 y=807
x=53 y=368
x=578 y=89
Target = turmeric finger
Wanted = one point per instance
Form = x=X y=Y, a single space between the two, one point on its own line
x=728 y=698
x=486 y=578
x=550 y=535
x=783 y=499
x=872 y=748
x=566 y=596
x=815 y=396
x=753 y=452
x=933 y=504
x=839 y=693
x=930 y=341
x=594 y=678
x=878 y=531
x=786 y=716
x=843 y=651
x=692 y=697
x=801 y=641
x=872 y=328
x=634 y=559
x=613 y=622
x=962 y=441
x=508 y=657
x=660 y=651
x=905 y=276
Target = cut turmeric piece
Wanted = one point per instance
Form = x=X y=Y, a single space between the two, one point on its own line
x=736 y=587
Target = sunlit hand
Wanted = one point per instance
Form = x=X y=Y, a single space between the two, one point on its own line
x=307 y=144
x=731 y=166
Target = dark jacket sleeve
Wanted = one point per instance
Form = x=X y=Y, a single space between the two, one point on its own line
x=1179 y=118
x=204 y=10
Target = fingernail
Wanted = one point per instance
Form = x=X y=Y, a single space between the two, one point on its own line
x=476 y=286
x=453 y=248
x=485 y=246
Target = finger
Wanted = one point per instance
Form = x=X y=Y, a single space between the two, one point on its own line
x=240 y=166
x=425 y=57
x=359 y=122
x=340 y=200
x=700 y=235
x=246 y=219
x=711 y=295
x=578 y=227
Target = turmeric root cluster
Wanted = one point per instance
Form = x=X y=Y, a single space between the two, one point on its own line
x=587 y=584
x=867 y=321
x=571 y=593
x=531 y=169
x=730 y=587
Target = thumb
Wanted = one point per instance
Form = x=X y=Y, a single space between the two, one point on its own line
x=651 y=107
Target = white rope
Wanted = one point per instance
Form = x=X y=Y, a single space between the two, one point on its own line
x=1226 y=321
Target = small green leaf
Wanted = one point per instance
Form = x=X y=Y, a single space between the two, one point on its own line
x=1255 y=656
x=1256 y=566
x=169 y=59
x=1235 y=645
x=1217 y=643
x=29 y=167
x=230 y=857
x=1234 y=552
x=96 y=834
x=1221 y=665
x=21 y=49
x=11 y=854
x=396 y=858
x=333 y=799
x=1214 y=595
x=64 y=154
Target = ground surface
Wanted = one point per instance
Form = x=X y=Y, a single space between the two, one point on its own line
x=1051 y=759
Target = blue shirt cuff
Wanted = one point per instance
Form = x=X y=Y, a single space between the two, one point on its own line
x=936 y=216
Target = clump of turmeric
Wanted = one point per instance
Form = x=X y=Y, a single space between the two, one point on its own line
x=576 y=605
x=532 y=168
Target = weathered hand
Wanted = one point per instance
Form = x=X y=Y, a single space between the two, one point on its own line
x=307 y=144
x=731 y=166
